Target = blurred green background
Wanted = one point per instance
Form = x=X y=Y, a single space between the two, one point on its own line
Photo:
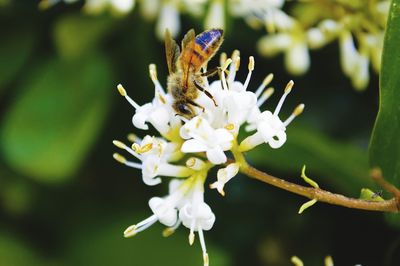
x=65 y=201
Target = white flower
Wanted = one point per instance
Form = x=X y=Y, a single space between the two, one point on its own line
x=119 y=6
x=164 y=210
x=213 y=130
x=155 y=155
x=223 y=177
x=270 y=128
x=198 y=217
x=168 y=19
x=201 y=137
x=216 y=15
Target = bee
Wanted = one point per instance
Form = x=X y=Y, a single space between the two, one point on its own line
x=185 y=79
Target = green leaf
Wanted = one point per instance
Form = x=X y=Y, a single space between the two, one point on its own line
x=340 y=164
x=50 y=127
x=15 y=47
x=76 y=34
x=384 y=148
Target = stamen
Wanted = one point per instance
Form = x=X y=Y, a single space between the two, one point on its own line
x=141 y=149
x=118 y=157
x=170 y=230
x=328 y=261
x=233 y=68
x=223 y=68
x=122 y=159
x=191 y=234
x=121 y=145
x=143 y=225
x=123 y=93
x=229 y=127
x=296 y=261
x=267 y=80
x=195 y=163
x=265 y=96
x=153 y=76
x=133 y=138
x=203 y=246
x=251 y=68
x=296 y=112
x=222 y=59
x=288 y=89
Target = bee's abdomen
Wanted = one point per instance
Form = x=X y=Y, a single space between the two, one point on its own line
x=206 y=44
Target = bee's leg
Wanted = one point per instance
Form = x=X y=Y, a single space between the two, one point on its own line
x=196 y=104
x=213 y=71
x=206 y=92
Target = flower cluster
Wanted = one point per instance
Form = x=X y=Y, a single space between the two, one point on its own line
x=357 y=25
x=188 y=148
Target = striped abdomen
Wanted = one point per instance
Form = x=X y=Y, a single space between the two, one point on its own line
x=205 y=46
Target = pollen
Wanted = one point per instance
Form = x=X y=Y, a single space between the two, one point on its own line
x=121 y=90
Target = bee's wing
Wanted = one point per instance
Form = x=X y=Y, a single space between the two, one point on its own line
x=171 y=51
x=186 y=55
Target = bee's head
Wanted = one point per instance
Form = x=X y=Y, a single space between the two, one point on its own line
x=183 y=109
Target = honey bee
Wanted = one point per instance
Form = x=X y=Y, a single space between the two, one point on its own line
x=185 y=79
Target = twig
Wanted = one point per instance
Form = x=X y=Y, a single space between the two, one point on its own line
x=322 y=195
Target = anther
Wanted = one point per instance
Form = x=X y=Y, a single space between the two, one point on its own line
x=267 y=80
x=226 y=64
x=153 y=72
x=222 y=59
x=251 y=63
x=265 y=96
x=195 y=163
x=121 y=90
x=130 y=231
x=119 y=158
x=289 y=87
x=191 y=238
x=119 y=144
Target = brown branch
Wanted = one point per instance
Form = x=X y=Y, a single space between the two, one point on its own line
x=322 y=195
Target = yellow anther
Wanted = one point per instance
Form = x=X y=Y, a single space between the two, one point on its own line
x=206 y=259
x=307 y=205
x=268 y=79
x=130 y=231
x=235 y=54
x=191 y=238
x=119 y=158
x=222 y=59
x=226 y=64
x=146 y=148
x=121 y=90
x=195 y=163
x=229 y=127
x=132 y=137
x=251 y=63
x=268 y=92
x=168 y=232
x=307 y=179
x=153 y=72
x=135 y=147
x=296 y=261
x=119 y=144
x=289 y=86
x=328 y=261
x=237 y=63
x=298 y=110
